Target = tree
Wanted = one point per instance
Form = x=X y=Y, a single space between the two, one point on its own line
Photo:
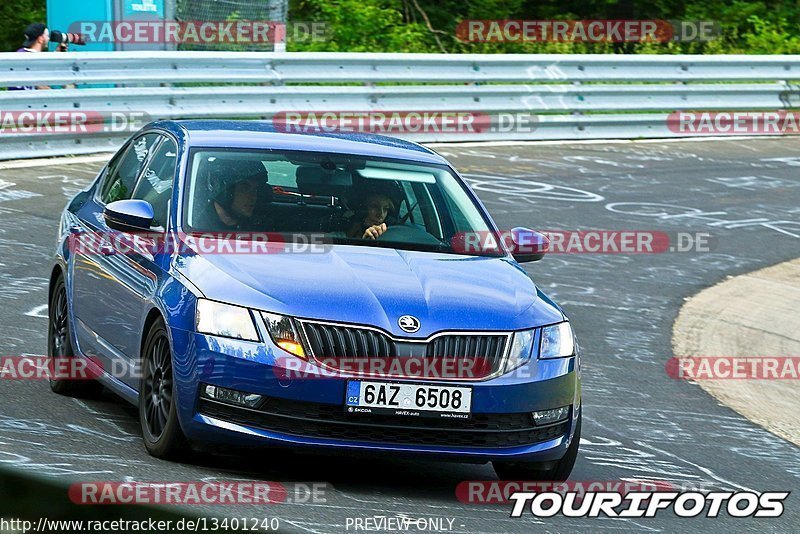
x=15 y=16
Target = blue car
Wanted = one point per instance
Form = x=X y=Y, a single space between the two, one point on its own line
x=338 y=292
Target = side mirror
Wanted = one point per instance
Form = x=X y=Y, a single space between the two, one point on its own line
x=129 y=215
x=528 y=245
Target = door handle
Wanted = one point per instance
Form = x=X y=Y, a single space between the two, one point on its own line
x=107 y=249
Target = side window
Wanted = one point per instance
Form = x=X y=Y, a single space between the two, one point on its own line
x=457 y=217
x=121 y=177
x=282 y=174
x=428 y=212
x=155 y=184
x=415 y=217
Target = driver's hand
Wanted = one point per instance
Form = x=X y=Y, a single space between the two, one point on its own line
x=374 y=232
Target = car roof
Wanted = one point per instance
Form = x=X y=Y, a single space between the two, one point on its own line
x=262 y=134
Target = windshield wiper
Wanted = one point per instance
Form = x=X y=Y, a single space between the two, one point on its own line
x=402 y=245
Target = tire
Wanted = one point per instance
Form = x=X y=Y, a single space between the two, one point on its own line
x=161 y=430
x=543 y=472
x=59 y=345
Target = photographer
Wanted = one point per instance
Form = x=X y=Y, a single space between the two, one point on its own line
x=37 y=37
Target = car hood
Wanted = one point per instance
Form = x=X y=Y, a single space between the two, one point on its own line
x=375 y=286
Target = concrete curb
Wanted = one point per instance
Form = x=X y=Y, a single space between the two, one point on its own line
x=755 y=314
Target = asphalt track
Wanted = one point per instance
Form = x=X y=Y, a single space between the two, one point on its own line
x=639 y=423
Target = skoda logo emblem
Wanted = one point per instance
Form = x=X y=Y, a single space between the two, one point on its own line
x=408 y=323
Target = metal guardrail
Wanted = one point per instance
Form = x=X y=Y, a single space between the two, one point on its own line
x=572 y=96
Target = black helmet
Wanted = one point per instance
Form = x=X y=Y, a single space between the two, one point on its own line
x=224 y=174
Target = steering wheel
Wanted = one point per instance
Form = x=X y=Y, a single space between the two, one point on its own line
x=408 y=234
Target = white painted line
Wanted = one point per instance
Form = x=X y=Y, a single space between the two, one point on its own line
x=46 y=162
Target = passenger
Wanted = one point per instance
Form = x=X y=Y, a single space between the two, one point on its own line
x=237 y=189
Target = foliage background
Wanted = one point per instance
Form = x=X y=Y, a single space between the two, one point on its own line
x=14 y=16
x=748 y=27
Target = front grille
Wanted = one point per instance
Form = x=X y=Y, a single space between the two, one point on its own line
x=313 y=420
x=490 y=346
x=331 y=342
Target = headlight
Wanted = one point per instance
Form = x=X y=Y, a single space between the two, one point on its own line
x=557 y=341
x=283 y=332
x=521 y=347
x=218 y=319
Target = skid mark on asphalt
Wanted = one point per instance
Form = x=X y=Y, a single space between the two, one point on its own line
x=633 y=345
x=38 y=427
x=517 y=189
x=791 y=161
x=723 y=262
x=18 y=339
x=301 y=526
x=693 y=429
x=705 y=470
x=678 y=215
x=20 y=461
x=638 y=465
x=11 y=246
x=592 y=296
x=753 y=183
x=111 y=420
x=572 y=164
x=70 y=185
x=75 y=464
x=38 y=311
x=18 y=194
x=25 y=441
x=606 y=162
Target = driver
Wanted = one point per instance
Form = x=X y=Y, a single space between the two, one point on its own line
x=236 y=189
x=371 y=214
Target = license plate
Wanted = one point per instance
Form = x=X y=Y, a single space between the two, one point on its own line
x=420 y=400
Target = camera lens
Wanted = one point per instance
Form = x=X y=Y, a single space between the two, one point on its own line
x=66 y=37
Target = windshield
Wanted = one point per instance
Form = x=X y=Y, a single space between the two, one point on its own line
x=350 y=199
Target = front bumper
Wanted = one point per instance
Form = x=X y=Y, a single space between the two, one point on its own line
x=309 y=412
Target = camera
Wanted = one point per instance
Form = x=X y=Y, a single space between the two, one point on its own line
x=63 y=38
